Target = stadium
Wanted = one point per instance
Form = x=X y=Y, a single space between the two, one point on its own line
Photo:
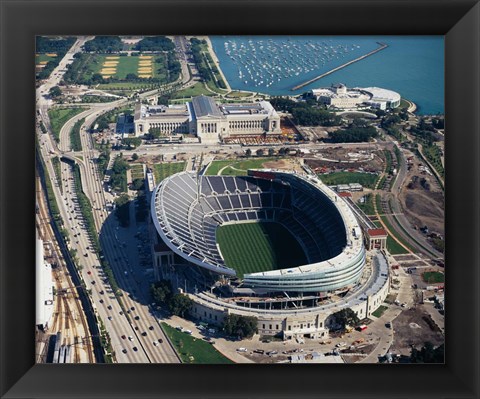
x=190 y=212
x=237 y=243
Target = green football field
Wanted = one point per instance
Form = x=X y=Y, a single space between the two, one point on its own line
x=258 y=246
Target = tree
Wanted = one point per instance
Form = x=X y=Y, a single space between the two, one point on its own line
x=155 y=43
x=282 y=151
x=259 y=152
x=161 y=291
x=132 y=142
x=154 y=133
x=135 y=156
x=346 y=317
x=121 y=210
x=271 y=152
x=55 y=92
x=428 y=354
x=180 y=305
x=248 y=152
x=137 y=184
x=104 y=44
x=241 y=326
x=353 y=135
x=131 y=76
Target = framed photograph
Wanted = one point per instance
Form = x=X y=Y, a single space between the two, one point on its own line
x=262 y=199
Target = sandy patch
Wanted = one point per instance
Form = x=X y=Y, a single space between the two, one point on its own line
x=275 y=164
x=140 y=70
x=51 y=54
x=144 y=76
x=112 y=57
x=43 y=62
x=110 y=63
x=108 y=71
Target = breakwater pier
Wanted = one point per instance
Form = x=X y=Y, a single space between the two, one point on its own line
x=382 y=47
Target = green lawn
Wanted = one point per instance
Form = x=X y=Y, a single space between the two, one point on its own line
x=367 y=206
x=90 y=64
x=392 y=246
x=381 y=309
x=365 y=179
x=256 y=247
x=433 y=277
x=163 y=170
x=43 y=57
x=238 y=94
x=58 y=173
x=58 y=118
x=196 y=90
x=237 y=168
x=189 y=347
x=136 y=171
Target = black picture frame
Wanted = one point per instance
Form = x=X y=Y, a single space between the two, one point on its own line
x=20 y=21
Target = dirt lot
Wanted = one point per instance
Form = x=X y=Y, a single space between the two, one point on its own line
x=414 y=327
x=347 y=158
x=423 y=200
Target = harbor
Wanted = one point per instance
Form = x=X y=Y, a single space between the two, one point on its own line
x=291 y=65
x=382 y=47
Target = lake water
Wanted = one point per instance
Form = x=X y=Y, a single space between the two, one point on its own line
x=411 y=65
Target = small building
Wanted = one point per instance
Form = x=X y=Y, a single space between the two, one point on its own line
x=376 y=238
x=355 y=187
x=339 y=96
x=343 y=187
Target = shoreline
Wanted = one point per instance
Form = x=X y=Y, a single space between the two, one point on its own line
x=413 y=108
x=216 y=61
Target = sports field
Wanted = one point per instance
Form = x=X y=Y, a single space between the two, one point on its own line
x=259 y=246
x=143 y=66
x=42 y=59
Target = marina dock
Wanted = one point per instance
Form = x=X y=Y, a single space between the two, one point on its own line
x=382 y=46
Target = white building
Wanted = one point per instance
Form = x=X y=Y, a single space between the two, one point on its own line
x=339 y=96
x=43 y=288
x=207 y=119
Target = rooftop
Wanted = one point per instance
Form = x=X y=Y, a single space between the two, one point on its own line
x=377 y=232
x=205 y=106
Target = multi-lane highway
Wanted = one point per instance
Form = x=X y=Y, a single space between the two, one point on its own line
x=136 y=336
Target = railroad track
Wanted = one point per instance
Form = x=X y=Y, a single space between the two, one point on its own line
x=66 y=304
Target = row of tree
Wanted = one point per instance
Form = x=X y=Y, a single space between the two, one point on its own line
x=155 y=43
x=104 y=44
x=119 y=174
x=306 y=113
x=52 y=45
x=353 y=135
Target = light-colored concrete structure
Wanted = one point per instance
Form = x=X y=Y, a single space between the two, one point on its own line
x=207 y=119
x=309 y=322
x=339 y=96
x=295 y=302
